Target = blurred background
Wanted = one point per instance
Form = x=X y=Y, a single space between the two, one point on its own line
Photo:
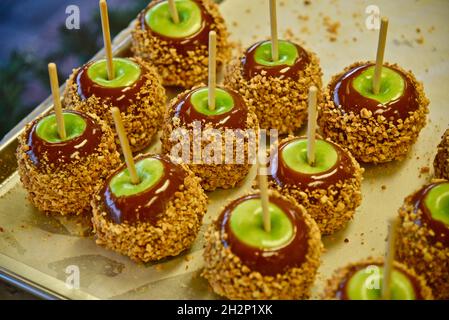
x=35 y=33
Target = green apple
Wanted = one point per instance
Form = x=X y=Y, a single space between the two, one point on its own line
x=223 y=102
x=437 y=201
x=149 y=170
x=288 y=54
x=366 y=284
x=246 y=223
x=47 y=128
x=392 y=85
x=159 y=19
x=294 y=155
x=127 y=73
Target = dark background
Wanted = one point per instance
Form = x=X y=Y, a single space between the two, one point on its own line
x=33 y=33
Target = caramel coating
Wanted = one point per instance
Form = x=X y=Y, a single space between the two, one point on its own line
x=213 y=176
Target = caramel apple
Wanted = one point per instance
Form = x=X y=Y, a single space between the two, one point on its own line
x=136 y=90
x=276 y=90
x=244 y=261
x=374 y=109
x=363 y=281
x=157 y=217
x=374 y=127
x=189 y=113
x=330 y=189
x=423 y=235
x=178 y=49
x=61 y=174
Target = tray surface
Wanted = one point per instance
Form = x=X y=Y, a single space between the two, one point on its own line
x=37 y=252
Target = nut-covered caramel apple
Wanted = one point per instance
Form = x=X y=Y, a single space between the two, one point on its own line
x=275 y=89
x=190 y=113
x=61 y=174
x=136 y=90
x=363 y=281
x=244 y=261
x=157 y=217
x=330 y=189
x=378 y=127
x=178 y=49
x=423 y=235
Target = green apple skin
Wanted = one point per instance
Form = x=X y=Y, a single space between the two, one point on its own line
x=362 y=285
x=392 y=85
x=159 y=19
x=223 y=102
x=47 y=128
x=149 y=170
x=246 y=224
x=127 y=73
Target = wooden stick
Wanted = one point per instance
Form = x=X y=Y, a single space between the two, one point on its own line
x=212 y=69
x=263 y=187
x=389 y=259
x=380 y=55
x=311 y=126
x=274 y=32
x=107 y=38
x=125 y=145
x=54 y=84
x=173 y=11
